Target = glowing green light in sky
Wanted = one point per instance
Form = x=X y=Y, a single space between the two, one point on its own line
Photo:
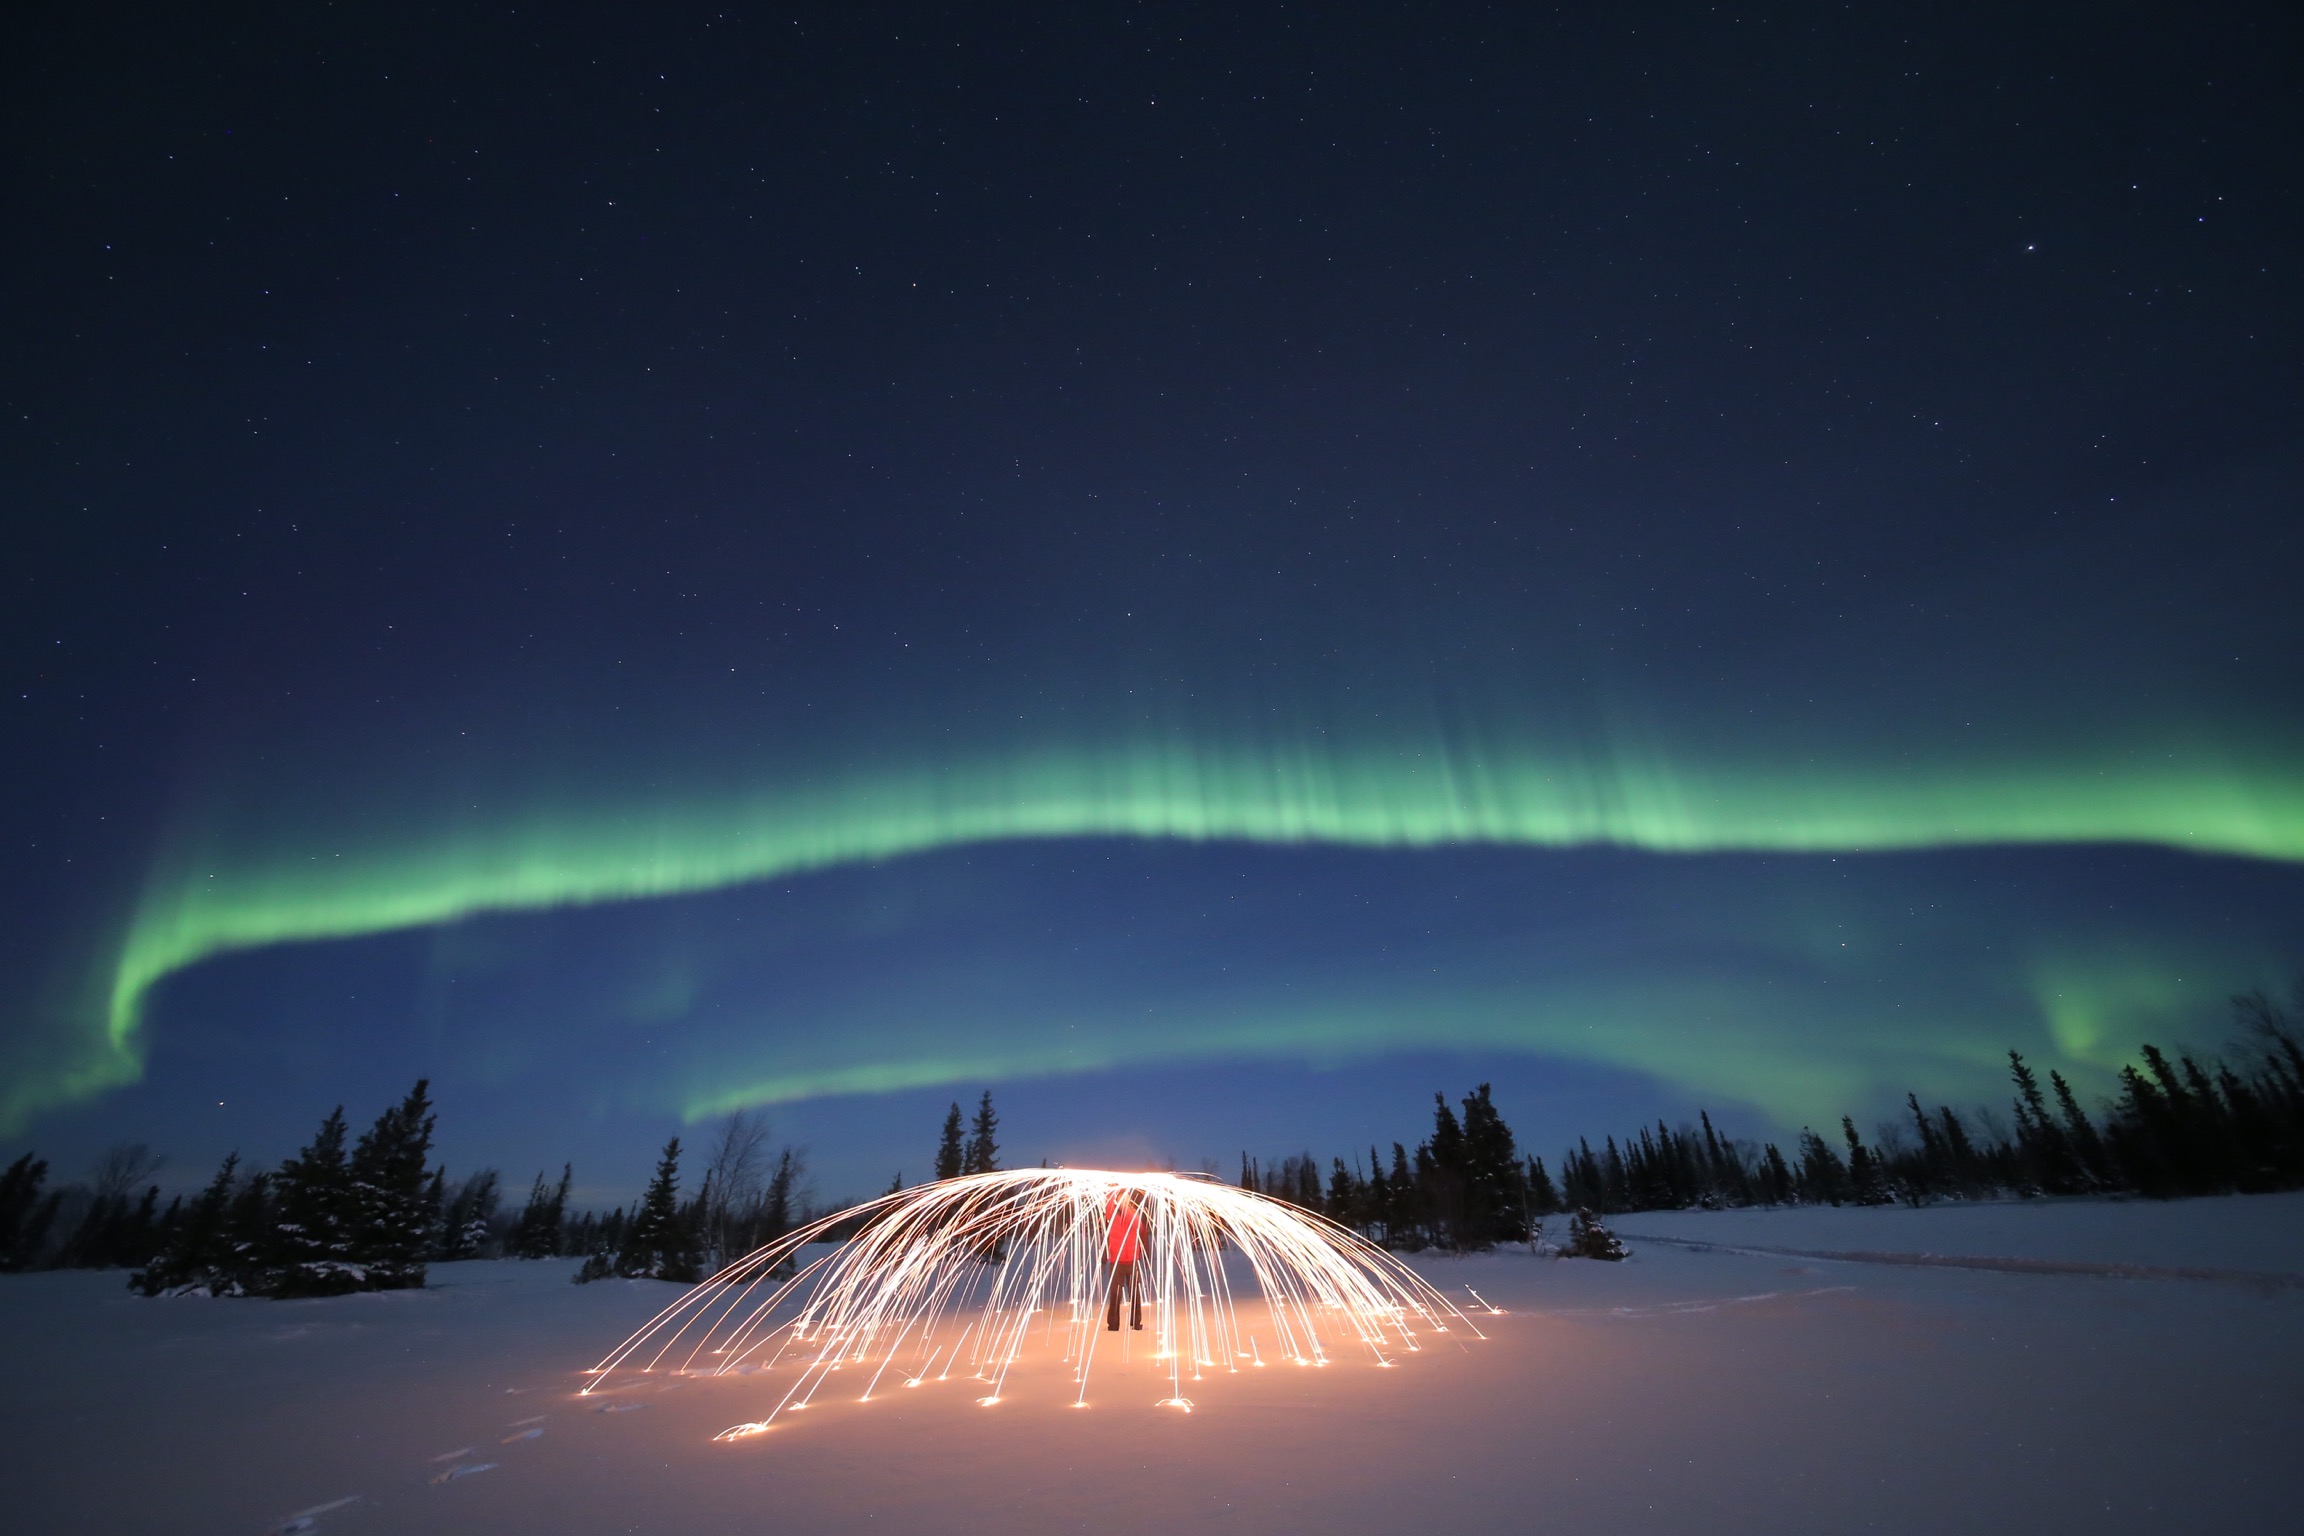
x=215 y=892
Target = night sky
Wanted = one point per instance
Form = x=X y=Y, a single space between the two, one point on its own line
x=1214 y=570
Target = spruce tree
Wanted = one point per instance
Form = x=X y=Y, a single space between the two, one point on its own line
x=2140 y=1134
x=2254 y=1134
x=695 y=1221
x=312 y=1225
x=2051 y=1163
x=93 y=1238
x=395 y=1205
x=983 y=1151
x=112 y=1233
x=25 y=1216
x=602 y=1241
x=139 y=1234
x=951 y=1151
x=1776 y=1176
x=1933 y=1167
x=1441 y=1170
x=527 y=1239
x=541 y=1219
x=1589 y=1238
x=1725 y=1181
x=1496 y=1201
x=194 y=1255
x=467 y=1222
x=247 y=1268
x=1380 y=1209
x=1865 y=1182
x=780 y=1203
x=658 y=1243
x=1346 y=1205
x=1543 y=1196
x=1408 y=1214
x=436 y=1201
x=1615 y=1184
x=1447 y=1135
x=1822 y=1178
x=1960 y=1152
x=2087 y=1146
x=1580 y=1176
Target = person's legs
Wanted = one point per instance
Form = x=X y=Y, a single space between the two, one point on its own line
x=1135 y=1299
x=1122 y=1274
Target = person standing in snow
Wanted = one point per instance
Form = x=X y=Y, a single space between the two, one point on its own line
x=1123 y=1246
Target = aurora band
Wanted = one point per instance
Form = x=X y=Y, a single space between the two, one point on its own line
x=211 y=893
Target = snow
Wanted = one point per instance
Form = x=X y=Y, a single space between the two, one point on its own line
x=1716 y=1388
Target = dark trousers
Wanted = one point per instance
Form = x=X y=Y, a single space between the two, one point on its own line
x=1124 y=1275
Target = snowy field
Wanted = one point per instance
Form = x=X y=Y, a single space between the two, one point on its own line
x=2089 y=1367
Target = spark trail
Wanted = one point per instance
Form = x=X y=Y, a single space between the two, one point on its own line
x=954 y=1275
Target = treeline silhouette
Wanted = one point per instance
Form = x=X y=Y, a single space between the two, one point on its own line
x=371 y=1215
x=330 y=1220
x=2177 y=1127
x=747 y=1198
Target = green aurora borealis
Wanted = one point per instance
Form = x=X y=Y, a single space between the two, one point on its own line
x=640 y=563
x=205 y=901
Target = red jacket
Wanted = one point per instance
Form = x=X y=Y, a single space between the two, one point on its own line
x=1123 y=1229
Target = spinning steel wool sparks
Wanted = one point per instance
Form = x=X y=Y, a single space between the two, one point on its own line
x=964 y=1274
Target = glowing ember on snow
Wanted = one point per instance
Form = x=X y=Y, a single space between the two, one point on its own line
x=955 y=1275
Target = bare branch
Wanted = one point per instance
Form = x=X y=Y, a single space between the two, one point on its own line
x=124 y=1167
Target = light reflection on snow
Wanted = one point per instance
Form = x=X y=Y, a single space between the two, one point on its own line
x=992 y=1254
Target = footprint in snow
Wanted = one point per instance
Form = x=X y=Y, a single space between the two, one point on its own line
x=305 y=1520
x=463 y=1469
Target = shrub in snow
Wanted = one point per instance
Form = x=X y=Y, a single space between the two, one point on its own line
x=1589 y=1239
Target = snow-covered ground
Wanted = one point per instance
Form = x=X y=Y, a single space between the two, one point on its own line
x=1738 y=1386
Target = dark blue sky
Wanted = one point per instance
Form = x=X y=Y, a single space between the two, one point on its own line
x=1213 y=571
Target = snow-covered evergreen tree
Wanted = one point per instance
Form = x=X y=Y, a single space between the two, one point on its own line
x=312 y=1219
x=468 y=1220
x=1588 y=1238
x=1495 y=1199
x=1441 y=1177
x=600 y=1239
x=247 y=1268
x=658 y=1243
x=395 y=1205
x=195 y=1253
